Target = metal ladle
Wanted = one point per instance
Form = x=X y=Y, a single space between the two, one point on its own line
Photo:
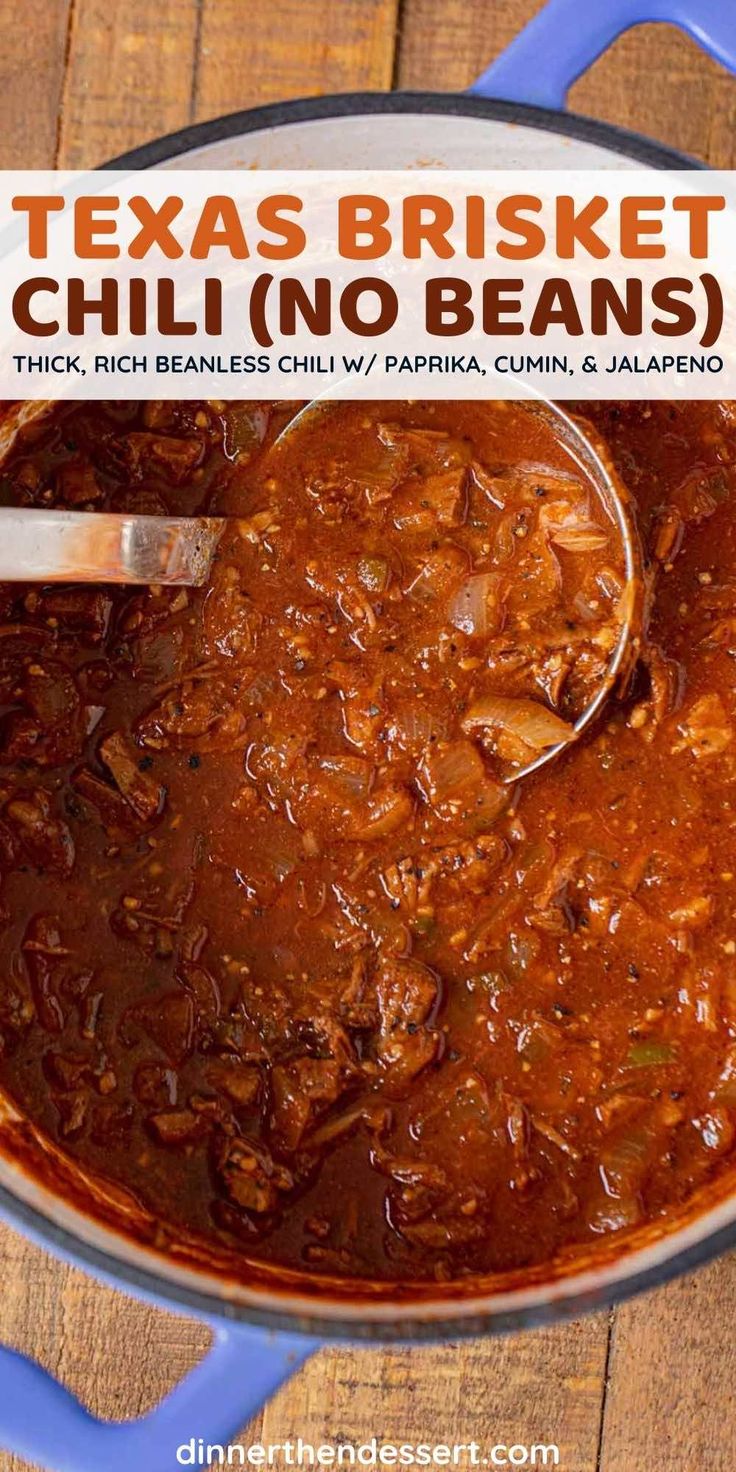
x=106 y=547
x=43 y=546
x=590 y=453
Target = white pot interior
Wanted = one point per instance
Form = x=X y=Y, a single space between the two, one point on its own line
x=410 y=141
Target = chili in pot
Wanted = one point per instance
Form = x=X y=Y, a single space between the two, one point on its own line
x=289 y=959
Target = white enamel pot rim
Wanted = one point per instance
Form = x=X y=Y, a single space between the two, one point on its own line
x=446 y=130
x=354 y=131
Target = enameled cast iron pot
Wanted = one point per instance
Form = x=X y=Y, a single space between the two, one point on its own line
x=512 y=118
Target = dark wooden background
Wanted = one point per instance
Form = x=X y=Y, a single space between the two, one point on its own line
x=650 y=1387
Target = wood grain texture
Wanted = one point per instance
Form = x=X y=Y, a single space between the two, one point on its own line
x=123 y=71
x=32 y=60
x=117 y=1355
x=670 y=1402
x=445 y=44
x=657 y=81
x=128 y=76
x=654 y=80
x=120 y=1357
x=543 y=1386
x=136 y=70
x=321 y=46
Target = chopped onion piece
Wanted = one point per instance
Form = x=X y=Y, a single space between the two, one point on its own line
x=532 y=723
x=352 y=774
x=474 y=607
x=624 y=1158
x=490 y=485
x=386 y=811
x=582 y=538
x=415 y=726
x=440 y=571
x=609 y=1215
x=449 y=772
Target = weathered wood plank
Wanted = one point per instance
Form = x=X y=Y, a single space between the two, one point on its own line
x=128 y=78
x=116 y=1354
x=543 y=1386
x=136 y=71
x=292 y=50
x=654 y=80
x=670 y=1402
x=32 y=63
x=658 y=82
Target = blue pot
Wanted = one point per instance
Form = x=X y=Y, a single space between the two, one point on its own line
x=512 y=117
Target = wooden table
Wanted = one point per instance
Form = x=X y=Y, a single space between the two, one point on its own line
x=649 y=1387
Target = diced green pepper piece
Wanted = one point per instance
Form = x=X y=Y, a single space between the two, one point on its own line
x=649 y=1054
x=373 y=573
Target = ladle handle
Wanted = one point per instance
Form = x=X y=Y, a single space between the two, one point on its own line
x=103 y=547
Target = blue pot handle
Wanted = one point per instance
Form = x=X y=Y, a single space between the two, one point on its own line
x=567 y=36
x=44 y=1423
